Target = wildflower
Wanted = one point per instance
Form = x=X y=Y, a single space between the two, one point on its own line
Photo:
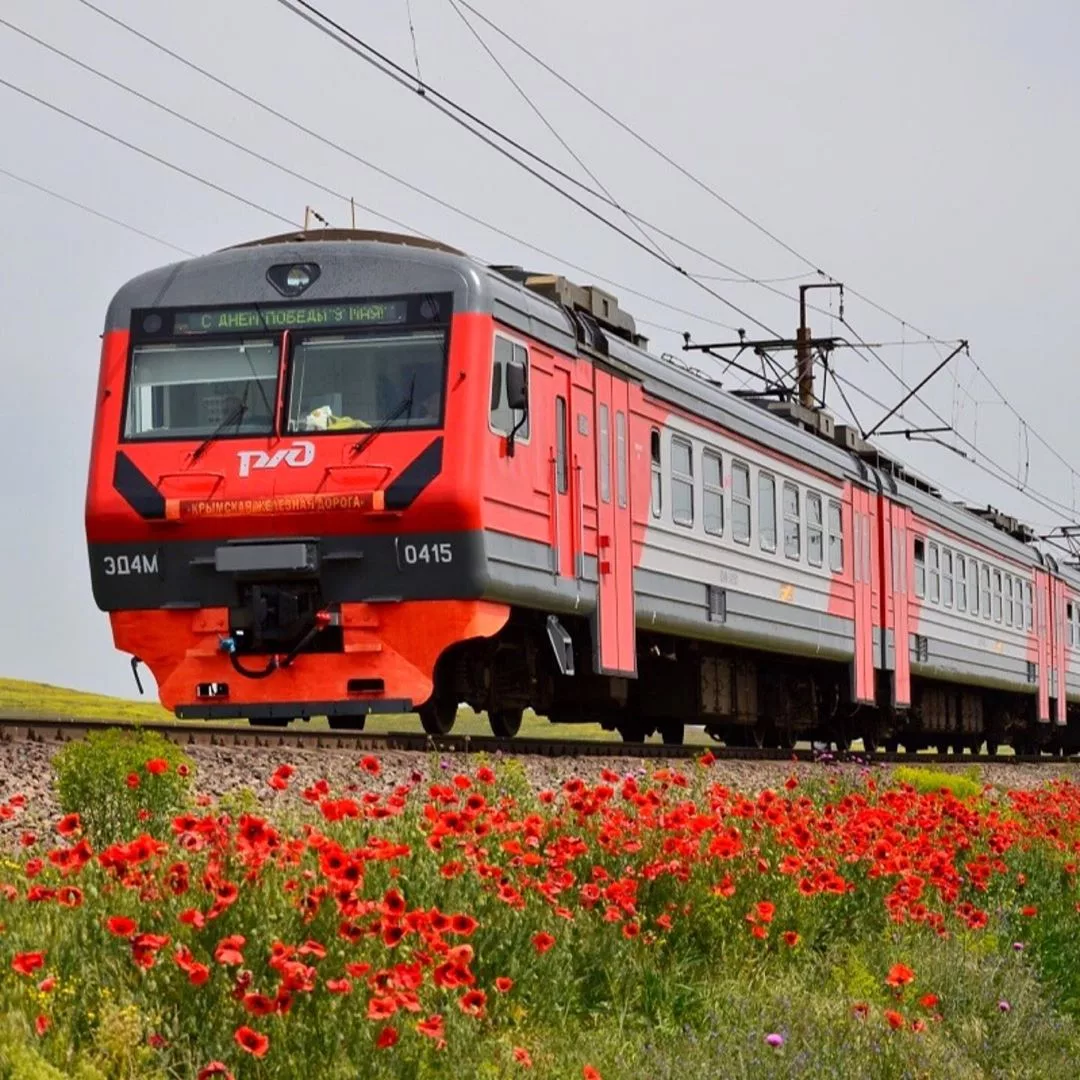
x=47 y=986
x=472 y=1002
x=215 y=1068
x=1018 y=946
x=387 y=1038
x=1004 y=1006
x=1029 y=911
x=228 y=952
x=339 y=986
x=765 y=910
x=68 y=824
x=928 y=1001
x=894 y=1019
x=370 y=765
x=252 y=1041
x=41 y=1025
x=522 y=1057
x=774 y=1038
x=157 y=766
x=542 y=942
x=861 y=1010
x=432 y=1027
x=156 y=1041
x=27 y=963
x=790 y=938
x=589 y=1073
x=182 y=770
x=503 y=984
x=899 y=975
x=132 y=780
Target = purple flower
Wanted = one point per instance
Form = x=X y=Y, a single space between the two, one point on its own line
x=1018 y=946
x=1004 y=1006
x=775 y=1039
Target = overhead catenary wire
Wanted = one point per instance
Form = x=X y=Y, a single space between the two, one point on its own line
x=379 y=170
x=367 y=53
x=91 y=210
x=748 y=218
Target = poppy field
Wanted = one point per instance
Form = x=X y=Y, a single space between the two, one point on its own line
x=639 y=924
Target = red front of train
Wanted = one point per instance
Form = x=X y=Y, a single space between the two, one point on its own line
x=274 y=525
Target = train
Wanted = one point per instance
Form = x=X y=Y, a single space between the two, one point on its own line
x=337 y=473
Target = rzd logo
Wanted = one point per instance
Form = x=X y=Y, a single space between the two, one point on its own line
x=299 y=455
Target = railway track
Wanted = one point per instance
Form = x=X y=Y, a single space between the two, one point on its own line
x=60 y=729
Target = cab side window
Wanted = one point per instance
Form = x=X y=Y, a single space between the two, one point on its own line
x=503 y=418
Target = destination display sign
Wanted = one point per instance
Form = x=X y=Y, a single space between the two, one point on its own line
x=292 y=317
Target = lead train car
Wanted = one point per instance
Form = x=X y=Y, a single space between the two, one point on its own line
x=342 y=473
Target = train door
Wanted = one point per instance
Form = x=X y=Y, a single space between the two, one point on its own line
x=563 y=481
x=1058 y=620
x=1042 y=642
x=894 y=579
x=864 y=616
x=616 y=652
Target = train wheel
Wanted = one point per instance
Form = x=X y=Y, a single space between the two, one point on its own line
x=673 y=732
x=271 y=721
x=505 y=723
x=635 y=731
x=438 y=717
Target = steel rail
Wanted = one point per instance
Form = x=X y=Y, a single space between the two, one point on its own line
x=62 y=729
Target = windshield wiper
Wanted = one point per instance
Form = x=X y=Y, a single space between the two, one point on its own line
x=403 y=406
x=234 y=416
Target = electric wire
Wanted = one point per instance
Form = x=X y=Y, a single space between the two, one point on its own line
x=379 y=170
x=96 y=213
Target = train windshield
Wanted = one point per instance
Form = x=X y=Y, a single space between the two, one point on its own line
x=366 y=381
x=189 y=391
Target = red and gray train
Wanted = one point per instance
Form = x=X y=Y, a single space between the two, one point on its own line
x=344 y=473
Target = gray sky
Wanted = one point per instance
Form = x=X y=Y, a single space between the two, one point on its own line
x=923 y=153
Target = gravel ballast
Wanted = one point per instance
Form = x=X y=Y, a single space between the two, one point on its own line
x=25 y=768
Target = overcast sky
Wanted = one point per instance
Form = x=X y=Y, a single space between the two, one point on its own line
x=924 y=153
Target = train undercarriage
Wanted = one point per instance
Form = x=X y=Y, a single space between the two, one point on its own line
x=740 y=697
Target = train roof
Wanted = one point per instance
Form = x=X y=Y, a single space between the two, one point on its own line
x=585 y=321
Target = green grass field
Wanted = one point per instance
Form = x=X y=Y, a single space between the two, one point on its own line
x=40 y=700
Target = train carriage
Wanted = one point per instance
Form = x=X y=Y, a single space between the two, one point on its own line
x=341 y=473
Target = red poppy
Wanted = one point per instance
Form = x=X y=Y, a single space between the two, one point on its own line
x=258 y=1004
x=370 y=764
x=387 y=1038
x=157 y=766
x=1029 y=910
x=252 y=1041
x=27 y=963
x=41 y=1025
x=472 y=1002
x=542 y=941
x=68 y=824
x=339 y=986
x=790 y=938
x=47 y=986
x=132 y=780
x=432 y=1027
x=589 y=1073
x=894 y=1019
x=928 y=1001
x=463 y=925
x=503 y=984
x=215 y=1068
x=899 y=975
x=765 y=910
x=521 y=1056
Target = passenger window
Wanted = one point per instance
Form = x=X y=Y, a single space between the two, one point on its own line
x=503 y=418
x=961 y=583
x=562 y=472
x=973 y=588
x=712 y=492
x=836 y=538
x=984 y=591
x=656 y=496
x=815 y=534
x=682 y=482
x=620 y=458
x=1027 y=605
x=935 y=575
x=920 y=568
x=946 y=577
x=1069 y=620
x=604 y=435
x=997 y=596
x=766 y=490
x=792 y=522
x=1008 y=600
x=740 y=502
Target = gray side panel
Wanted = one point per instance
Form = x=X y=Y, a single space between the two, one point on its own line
x=522 y=572
x=949 y=660
x=675 y=605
